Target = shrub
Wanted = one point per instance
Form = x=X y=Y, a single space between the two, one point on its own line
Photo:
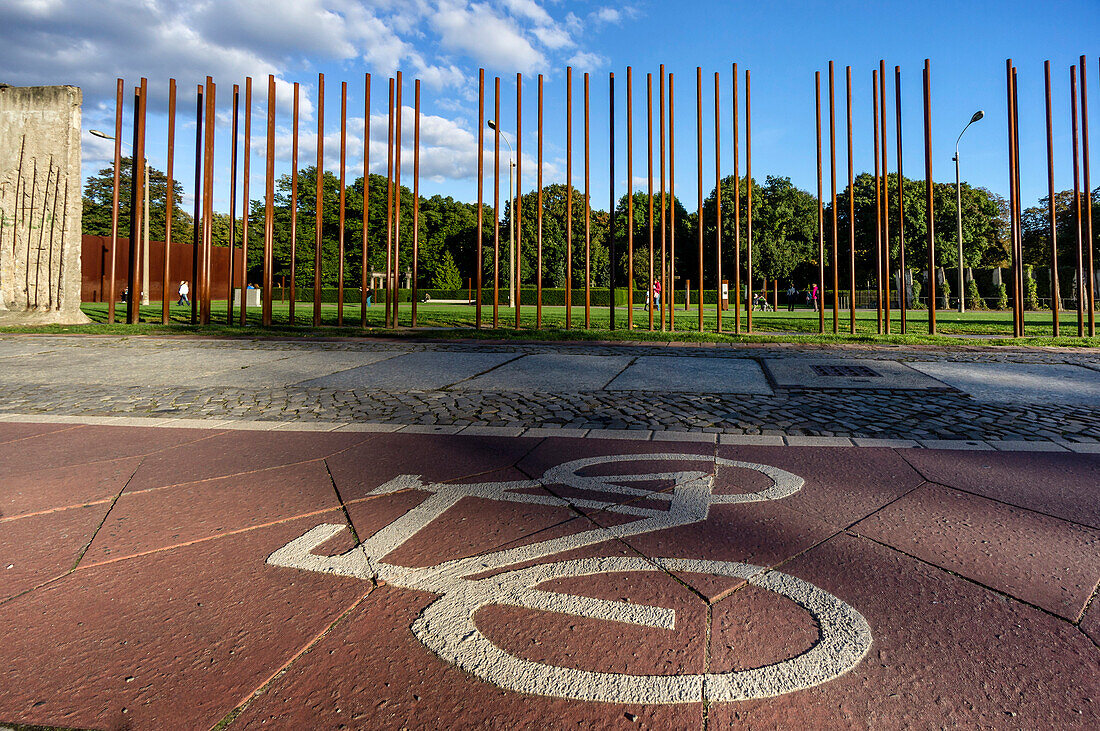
x=1002 y=297
x=973 y=297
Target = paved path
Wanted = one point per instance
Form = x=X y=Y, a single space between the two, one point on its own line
x=184 y=578
x=998 y=394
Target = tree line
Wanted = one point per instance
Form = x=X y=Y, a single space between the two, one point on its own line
x=784 y=228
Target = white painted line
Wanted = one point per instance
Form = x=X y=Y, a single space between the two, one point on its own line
x=892 y=443
x=966 y=445
x=1006 y=445
x=447 y=627
x=362 y=426
x=760 y=440
x=803 y=441
x=432 y=429
x=543 y=431
x=492 y=431
x=635 y=434
x=251 y=425
x=685 y=436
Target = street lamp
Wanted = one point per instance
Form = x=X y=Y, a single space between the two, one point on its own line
x=958 y=208
x=144 y=296
x=511 y=226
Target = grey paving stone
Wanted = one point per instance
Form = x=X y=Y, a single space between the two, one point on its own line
x=1084 y=447
x=432 y=429
x=962 y=444
x=368 y=427
x=1020 y=382
x=552 y=372
x=308 y=426
x=692 y=375
x=420 y=371
x=251 y=425
x=629 y=434
x=881 y=374
x=893 y=443
x=493 y=431
x=1008 y=445
x=801 y=441
x=685 y=436
x=564 y=432
x=759 y=440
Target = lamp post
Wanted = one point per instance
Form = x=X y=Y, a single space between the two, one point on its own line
x=511 y=226
x=958 y=209
x=144 y=295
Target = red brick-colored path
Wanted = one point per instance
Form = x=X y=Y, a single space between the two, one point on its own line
x=135 y=590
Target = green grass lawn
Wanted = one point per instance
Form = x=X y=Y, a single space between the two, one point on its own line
x=459 y=320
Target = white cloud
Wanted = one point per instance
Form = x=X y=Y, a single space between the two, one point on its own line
x=485 y=36
x=586 y=61
x=608 y=15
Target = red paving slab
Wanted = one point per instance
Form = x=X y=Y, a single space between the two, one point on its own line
x=438 y=458
x=62 y=487
x=235 y=452
x=85 y=444
x=372 y=672
x=843 y=484
x=174 y=639
x=178 y=637
x=12 y=431
x=1063 y=485
x=161 y=517
x=1048 y=562
x=36 y=548
x=1090 y=623
x=945 y=653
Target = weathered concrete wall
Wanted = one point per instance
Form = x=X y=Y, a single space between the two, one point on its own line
x=40 y=205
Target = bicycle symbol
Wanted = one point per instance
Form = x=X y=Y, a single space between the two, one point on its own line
x=447 y=625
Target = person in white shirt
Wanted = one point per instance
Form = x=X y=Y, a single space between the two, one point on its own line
x=183 y=291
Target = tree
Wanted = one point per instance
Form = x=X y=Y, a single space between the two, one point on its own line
x=99 y=194
x=445 y=275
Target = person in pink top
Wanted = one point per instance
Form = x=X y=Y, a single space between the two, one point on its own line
x=813 y=297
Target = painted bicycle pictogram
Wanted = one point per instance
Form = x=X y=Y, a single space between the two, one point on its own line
x=447 y=625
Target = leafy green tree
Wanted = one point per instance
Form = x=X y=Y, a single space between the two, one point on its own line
x=445 y=274
x=99 y=193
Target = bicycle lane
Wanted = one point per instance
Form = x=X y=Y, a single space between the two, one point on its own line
x=184 y=632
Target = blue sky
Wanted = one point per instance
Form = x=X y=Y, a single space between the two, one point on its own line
x=91 y=42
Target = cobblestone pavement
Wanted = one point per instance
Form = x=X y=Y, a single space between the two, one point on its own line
x=88 y=377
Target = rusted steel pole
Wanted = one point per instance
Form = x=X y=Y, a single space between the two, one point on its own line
x=1055 y=294
x=1088 y=197
x=611 y=208
x=111 y=294
x=1077 y=206
x=538 y=224
x=496 y=206
x=293 y=206
x=1013 y=161
x=903 y=292
x=820 y=303
x=671 y=202
x=699 y=168
x=232 y=206
x=629 y=199
x=568 y=197
x=749 y=183
x=480 y=188
x=885 y=193
x=832 y=175
x=1019 y=205
x=245 y=207
x=269 y=207
x=416 y=194
x=166 y=299
x=196 y=235
x=851 y=209
x=208 y=192
x=320 y=200
x=664 y=211
x=343 y=203
x=718 y=199
x=389 y=210
x=650 y=298
x=928 y=215
x=587 y=219
x=398 y=107
x=137 y=202
x=878 y=200
x=736 y=213
x=364 y=269
x=517 y=218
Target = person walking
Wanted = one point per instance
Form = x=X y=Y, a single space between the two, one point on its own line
x=184 y=290
x=792 y=295
x=813 y=297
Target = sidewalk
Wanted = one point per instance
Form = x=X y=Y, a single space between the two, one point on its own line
x=312 y=573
